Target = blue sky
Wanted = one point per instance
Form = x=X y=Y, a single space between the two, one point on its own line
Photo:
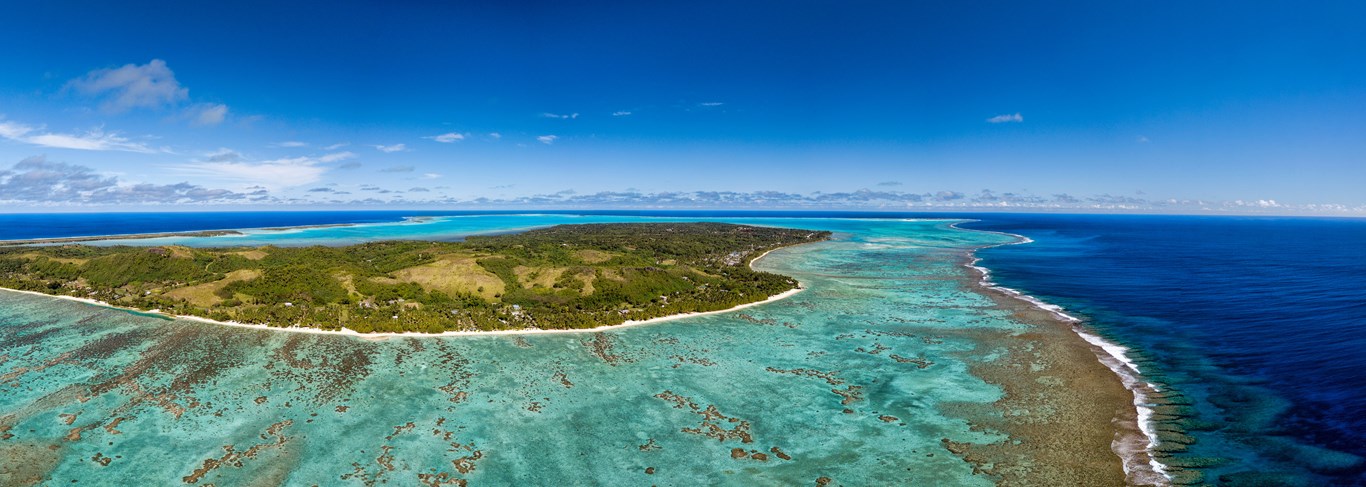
x=1158 y=106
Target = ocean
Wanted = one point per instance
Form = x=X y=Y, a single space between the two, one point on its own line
x=1250 y=327
x=1257 y=323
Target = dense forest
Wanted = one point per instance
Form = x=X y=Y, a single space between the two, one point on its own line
x=567 y=276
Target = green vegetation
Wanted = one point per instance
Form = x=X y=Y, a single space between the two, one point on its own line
x=568 y=276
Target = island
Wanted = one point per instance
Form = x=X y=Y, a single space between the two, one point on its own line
x=125 y=236
x=556 y=278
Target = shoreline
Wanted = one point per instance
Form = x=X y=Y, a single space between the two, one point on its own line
x=219 y=232
x=1136 y=451
x=413 y=334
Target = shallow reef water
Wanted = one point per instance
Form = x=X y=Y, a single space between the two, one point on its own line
x=858 y=380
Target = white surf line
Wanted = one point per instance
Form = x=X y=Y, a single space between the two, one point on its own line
x=1115 y=357
x=412 y=334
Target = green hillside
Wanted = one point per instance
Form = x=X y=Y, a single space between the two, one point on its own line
x=568 y=276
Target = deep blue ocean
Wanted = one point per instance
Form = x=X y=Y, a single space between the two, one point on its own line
x=1260 y=323
x=1255 y=326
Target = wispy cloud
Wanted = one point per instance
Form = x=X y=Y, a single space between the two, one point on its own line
x=223 y=155
x=337 y=156
x=431 y=175
x=392 y=148
x=561 y=117
x=547 y=139
x=295 y=143
x=398 y=169
x=151 y=85
x=711 y=104
x=1142 y=139
x=93 y=140
x=622 y=113
x=447 y=138
x=1006 y=118
x=337 y=146
x=228 y=166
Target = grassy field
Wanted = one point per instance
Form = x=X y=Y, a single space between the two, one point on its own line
x=206 y=294
x=454 y=274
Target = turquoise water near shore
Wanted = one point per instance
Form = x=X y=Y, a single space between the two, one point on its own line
x=855 y=379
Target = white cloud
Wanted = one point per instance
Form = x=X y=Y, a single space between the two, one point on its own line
x=148 y=86
x=295 y=143
x=547 y=139
x=561 y=117
x=93 y=140
x=1267 y=203
x=272 y=174
x=337 y=146
x=392 y=148
x=621 y=113
x=1007 y=118
x=495 y=135
x=447 y=137
x=430 y=175
x=712 y=104
x=151 y=85
x=276 y=174
x=1142 y=139
x=211 y=114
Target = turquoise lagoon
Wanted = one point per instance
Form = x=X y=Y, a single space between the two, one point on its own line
x=856 y=379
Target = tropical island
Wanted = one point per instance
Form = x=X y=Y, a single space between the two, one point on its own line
x=561 y=277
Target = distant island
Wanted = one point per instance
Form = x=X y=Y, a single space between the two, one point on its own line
x=562 y=277
x=128 y=236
